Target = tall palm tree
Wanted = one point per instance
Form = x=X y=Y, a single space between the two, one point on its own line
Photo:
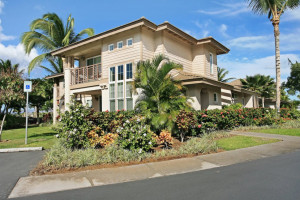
x=161 y=98
x=262 y=84
x=274 y=9
x=47 y=34
x=222 y=73
x=7 y=68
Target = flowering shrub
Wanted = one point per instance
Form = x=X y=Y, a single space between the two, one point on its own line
x=75 y=126
x=165 y=138
x=135 y=134
x=184 y=122
x=94 y=136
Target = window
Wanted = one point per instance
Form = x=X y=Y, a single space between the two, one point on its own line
x=89 y=103
x=111 y=47
x=94 y=61
x=112 y=74
x=120 y=44
x=215 y=97
x=234 y=95
x=129 y=71
x=211 y=63
x=120 y=94
x=129 y=42
x=120 y=73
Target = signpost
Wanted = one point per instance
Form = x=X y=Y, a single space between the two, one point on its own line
x=27 y=89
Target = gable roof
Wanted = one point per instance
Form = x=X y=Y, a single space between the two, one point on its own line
x=221 y=49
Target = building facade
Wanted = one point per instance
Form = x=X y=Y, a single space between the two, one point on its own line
x=98 y=70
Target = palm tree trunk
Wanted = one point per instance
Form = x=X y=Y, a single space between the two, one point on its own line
x=277 y=60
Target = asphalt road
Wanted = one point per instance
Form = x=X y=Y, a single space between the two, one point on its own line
x=15 y=165
x=270 y=178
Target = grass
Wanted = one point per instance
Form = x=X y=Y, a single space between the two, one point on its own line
x=239 y=141
x=37 y=137
x=291 y=132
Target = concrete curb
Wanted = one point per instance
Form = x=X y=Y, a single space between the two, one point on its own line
x=10 y=150
x=33 y=185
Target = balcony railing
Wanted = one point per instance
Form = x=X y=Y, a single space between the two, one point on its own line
x=86 y=74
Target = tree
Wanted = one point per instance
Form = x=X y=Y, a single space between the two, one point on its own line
x=11 y=90
x=261 y=84
x=274 y=9
x=293 y=81
x=161 y=98
x=47 y=34
x=41 y=95
x=222 y=73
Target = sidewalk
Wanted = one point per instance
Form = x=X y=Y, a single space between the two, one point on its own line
x=52 y=183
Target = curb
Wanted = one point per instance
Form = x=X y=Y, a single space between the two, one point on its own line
x=10 y=150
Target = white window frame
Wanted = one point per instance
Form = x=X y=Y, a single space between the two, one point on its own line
x=217 y=100
x=110 y=46
x=112 y=83
x=211 y=63
x=92 y=58
x=125 y=81
x=120 y=42
x=131 y=42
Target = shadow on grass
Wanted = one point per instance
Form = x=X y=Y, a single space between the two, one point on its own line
x=42 y=135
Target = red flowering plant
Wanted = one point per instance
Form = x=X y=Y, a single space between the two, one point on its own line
x=184 y=122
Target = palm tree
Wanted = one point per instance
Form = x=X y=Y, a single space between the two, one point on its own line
x=261 y=84
x=274 y=9
x=222 y=73
x=47 y=34
x=7 y=68
x=161 y=98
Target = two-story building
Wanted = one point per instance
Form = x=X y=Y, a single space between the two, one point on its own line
x=106 y=64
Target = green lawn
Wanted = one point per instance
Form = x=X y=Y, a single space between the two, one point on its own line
x=37 y=137
x=239 y=141
x=291 y=132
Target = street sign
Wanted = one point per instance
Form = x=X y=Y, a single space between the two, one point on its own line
x=27 y=89
x=27 y=86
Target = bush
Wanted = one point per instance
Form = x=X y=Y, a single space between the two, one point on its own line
x=165 y=138
x=75 y=126
x=185 y=121
x=135 y=134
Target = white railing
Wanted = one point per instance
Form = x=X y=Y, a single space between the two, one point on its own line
x=86 y=74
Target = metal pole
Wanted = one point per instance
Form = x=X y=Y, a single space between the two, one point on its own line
x=26 y=118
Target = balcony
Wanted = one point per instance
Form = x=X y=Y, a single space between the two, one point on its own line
x=86 y=74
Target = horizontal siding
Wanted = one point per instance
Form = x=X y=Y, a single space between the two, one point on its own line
x=178 y=51
x=207 y=51
x=148 y=44
x=199 y=61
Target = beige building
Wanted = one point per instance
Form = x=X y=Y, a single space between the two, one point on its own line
x=107 y=61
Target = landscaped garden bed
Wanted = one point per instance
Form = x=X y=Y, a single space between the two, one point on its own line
x=89 y=140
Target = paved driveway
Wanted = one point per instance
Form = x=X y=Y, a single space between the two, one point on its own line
x=15 y=165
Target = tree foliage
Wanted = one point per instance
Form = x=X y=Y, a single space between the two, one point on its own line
x=222 y=73
x=11 y=90
x=262 y=84
x=161 y=97
x=293 y=81
x=47 y=34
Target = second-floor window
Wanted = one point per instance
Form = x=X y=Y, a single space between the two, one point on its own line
x=96 y=61
x=111 y=47
x=129 y=42
x=211 y=65
x=120 y=44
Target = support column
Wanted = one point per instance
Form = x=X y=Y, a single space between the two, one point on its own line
x=67 y=73
x=54 y=102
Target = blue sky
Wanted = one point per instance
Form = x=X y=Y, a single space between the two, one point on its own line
x=249 y=36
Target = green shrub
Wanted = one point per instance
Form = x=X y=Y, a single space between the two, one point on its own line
x=185 y=121
x=135 y=134
x=75 y=126
x=233 y=106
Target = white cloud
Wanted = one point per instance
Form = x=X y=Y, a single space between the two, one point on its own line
x=265 y=65
x=288 y=42
x=223 y=28
x=4 y=37
x=291 y=15
x=17 y=55
x=1 y=6
x=204 y=27
x=228 y=9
